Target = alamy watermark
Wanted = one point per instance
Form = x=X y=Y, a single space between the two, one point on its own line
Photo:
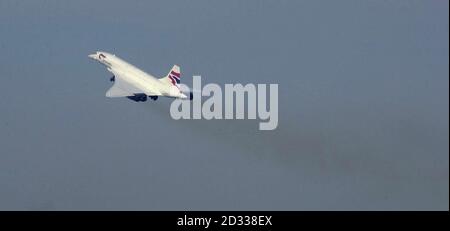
x=212 y=107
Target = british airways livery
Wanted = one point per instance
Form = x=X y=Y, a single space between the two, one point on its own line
x=135 y=84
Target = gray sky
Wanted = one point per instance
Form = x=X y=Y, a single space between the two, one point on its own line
x=363 y=106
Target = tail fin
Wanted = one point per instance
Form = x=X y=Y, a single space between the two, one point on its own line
x=173 y=77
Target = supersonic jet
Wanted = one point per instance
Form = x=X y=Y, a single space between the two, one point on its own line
x=135 y=84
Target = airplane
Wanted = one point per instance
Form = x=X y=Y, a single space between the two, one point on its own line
x=137 y=85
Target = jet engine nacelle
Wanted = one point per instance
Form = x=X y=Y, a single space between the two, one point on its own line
x=138 y=97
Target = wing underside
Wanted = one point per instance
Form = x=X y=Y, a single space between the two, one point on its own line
x=122 y=88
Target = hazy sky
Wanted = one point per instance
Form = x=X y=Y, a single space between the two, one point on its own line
x=363 y=106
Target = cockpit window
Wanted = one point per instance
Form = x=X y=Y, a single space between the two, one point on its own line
x=100 y=56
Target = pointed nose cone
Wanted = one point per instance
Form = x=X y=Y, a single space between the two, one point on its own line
x=92 y=56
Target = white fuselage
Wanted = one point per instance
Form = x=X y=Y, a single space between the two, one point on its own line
x=135 y=77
